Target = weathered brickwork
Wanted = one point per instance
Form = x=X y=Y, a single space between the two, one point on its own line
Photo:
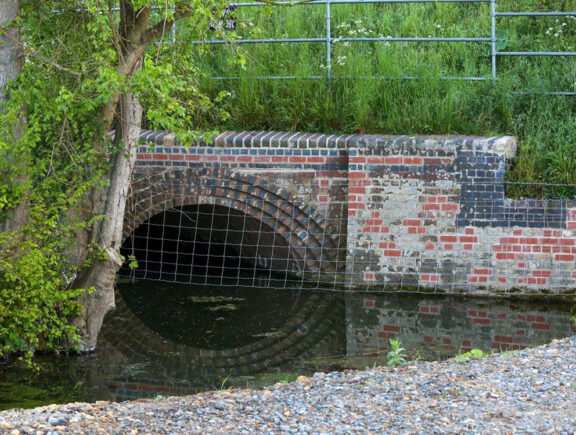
x=397 y=212
x=431 y=213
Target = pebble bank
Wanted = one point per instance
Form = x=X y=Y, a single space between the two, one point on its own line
x=527 y=391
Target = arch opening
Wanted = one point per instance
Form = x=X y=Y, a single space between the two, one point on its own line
x=207 y=241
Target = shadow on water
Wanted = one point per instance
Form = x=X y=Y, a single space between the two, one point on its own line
x=168 y=338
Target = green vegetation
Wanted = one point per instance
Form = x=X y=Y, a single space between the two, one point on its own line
x=474 y=353
x=396 y=356
x=545 y=125
x=77 y=71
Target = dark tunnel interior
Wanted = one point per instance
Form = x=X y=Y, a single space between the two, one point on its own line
x=199 y=241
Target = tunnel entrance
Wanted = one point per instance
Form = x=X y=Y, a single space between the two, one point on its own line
x=206 y=241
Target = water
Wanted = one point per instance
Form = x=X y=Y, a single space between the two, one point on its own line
x=166 y=339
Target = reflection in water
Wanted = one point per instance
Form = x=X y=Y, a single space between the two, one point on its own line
x=182 y=338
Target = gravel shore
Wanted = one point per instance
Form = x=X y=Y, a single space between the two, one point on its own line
x=528 y=391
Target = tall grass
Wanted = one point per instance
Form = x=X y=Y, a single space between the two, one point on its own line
x=359 y=99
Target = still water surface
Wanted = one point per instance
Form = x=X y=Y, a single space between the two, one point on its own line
x=166 y=338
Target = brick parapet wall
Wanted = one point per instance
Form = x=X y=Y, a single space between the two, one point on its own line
x=413 y=213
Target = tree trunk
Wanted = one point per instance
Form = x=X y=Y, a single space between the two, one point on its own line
x=11 y=62
x=107 y=234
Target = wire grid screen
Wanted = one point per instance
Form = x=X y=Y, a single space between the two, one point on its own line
x=214 y=244
x=441 y=237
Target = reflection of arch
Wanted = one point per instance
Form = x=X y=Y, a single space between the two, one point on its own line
x=299 y=226
x=319 y=317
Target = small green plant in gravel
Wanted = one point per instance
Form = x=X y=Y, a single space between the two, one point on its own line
x=474 y=353
x=396 y=356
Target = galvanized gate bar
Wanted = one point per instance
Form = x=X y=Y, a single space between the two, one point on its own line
x=329 y=39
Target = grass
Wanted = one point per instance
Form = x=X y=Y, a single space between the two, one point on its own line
x=544 y=125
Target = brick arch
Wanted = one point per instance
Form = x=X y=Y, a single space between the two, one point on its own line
x=297 y=223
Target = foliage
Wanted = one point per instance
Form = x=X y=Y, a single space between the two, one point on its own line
x=396 y=356
x=474 y=353
x=36 y=300
x=72 y=55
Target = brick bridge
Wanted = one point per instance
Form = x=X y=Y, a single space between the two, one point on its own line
x=375 y=212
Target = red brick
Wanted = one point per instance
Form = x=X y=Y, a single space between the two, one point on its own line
x=542 y=273
x=567 y=242
x=416 y=230
x=449 y=239
x=369 y=303
x=354 y=174
x=468 y=246
x=469 y=231
x=504 y=339
x=483 y=271
x=386 y=335
x=434 y=309
x=449 y=207
x=541 y=326
x=505 y=256
x=375 y=160
x=521 y=332
x=468 y=239
x=449 y=247
x=374 y=221
x=357 y=159
x=428 y=339
x=432 y=246
x=412 y=160
x=392 y=253
x=360 y=190
x=431 y=207
x=550 y=241
x=502 y=279
x=447 y=341
x=393 y=160
x=564 y=257
x=425 y=309
x=315 y=159
x=472 y=313
x=517 y=232
x=387 y=245
x=391 y=328
x=482 y=321
x=528 y=240
x=412 y=222
x=508 y=240
x=466 y=343
x=369 y=276
x=501 y=315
